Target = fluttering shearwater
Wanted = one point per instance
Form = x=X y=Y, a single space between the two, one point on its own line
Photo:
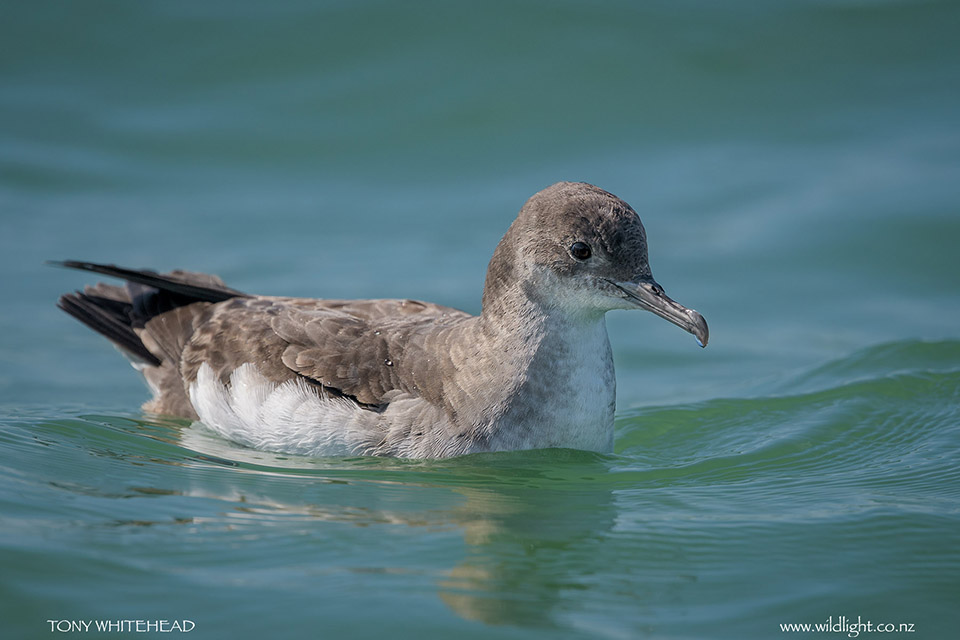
x=401 y=377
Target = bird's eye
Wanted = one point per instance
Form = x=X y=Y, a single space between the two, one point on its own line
x=580 y=250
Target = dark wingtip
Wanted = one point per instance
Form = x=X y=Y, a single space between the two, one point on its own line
x=172 y=282
x=80 y=265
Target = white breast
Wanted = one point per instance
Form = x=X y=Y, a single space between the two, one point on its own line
x=569 y=394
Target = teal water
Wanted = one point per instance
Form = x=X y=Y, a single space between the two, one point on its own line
x=796 y=164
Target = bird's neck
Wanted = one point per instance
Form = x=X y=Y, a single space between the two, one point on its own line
x=555 y=370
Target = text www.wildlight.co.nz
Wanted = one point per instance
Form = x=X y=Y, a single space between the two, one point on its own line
x=846 y=625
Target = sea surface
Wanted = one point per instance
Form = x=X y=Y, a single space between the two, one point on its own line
x=797 y=167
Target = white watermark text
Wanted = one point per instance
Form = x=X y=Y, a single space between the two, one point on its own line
x=843 y=624
x=121 y=626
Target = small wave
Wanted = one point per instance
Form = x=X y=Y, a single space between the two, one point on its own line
x=877 y=361
x=886 y=431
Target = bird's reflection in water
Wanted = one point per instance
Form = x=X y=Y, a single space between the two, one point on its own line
x=533 y=522
x=527 y=550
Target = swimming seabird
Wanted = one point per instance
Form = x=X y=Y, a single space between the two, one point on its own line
x=401 y=377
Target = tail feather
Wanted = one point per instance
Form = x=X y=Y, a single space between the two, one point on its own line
x=109 y=318
x=117 y=312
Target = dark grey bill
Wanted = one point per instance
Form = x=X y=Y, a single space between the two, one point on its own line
x=649 y=295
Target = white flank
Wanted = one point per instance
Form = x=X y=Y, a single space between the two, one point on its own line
x=291 y=417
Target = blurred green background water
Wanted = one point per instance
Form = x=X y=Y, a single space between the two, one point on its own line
x=797 y=166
